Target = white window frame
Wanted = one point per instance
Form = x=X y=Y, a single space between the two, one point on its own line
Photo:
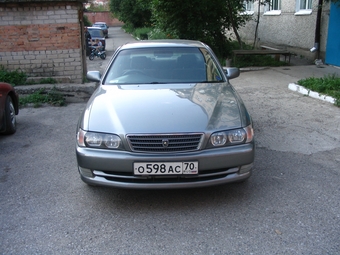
x=248 y=7
x=269 y=8
x=306 y=9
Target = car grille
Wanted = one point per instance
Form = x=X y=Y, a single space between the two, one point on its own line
x=165 y=143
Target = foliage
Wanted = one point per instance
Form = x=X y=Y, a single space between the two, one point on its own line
x=156 y=33
x=136 y=13
x=52 y=97
x=237 y=17
x=18 y=77
x=141 y=33
x=183 y=22
x=179 y=19
x=48 y=80
x=87 y=22
x=14 y=78
x=128 y=28
x=328 y=85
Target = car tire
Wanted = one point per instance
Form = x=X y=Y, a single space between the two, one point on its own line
x=9 y=117
x=103 y=55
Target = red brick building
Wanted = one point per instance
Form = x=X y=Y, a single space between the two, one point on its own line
x=104 y=16
x=43 y=38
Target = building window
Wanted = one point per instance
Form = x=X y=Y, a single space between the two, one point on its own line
x=275 y=5
x=305 y=4
x=273 y=8
x=248 y=7
x=303 y=7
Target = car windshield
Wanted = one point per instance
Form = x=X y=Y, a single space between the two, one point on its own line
x=96 y=33
x=99 y=25
x=163 y=65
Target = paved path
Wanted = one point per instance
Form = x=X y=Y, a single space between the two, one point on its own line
x=289 y=206
x=117 y=37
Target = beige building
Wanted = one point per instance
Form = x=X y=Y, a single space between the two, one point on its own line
x=289 y=24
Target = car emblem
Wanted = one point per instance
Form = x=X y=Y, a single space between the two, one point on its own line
x=165 y=143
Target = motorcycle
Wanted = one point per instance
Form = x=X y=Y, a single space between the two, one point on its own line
x=99 y=54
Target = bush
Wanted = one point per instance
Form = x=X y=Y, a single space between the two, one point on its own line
x=14 y=78
x=156 y=34
x=142 y=33
x=87 y=22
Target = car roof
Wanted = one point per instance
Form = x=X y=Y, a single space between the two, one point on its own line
x=97 y=28
x=101 y=23
x=163 y=43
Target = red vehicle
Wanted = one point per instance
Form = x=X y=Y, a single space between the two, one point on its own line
x=9 y=107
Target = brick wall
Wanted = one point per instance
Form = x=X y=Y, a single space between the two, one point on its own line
x=43 y=39
x=104 y=16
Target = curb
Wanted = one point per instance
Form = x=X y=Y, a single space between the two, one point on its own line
x=308 y=92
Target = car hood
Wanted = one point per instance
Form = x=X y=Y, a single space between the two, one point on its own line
x=163 y=108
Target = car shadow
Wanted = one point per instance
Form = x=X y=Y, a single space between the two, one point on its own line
x=173 y=200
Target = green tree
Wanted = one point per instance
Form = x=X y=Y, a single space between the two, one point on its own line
x=204 y=20
x=237 y=17
x=136 y=13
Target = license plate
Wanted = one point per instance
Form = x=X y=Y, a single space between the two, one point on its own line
x=165 y=168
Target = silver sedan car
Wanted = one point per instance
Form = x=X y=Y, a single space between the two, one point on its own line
x=164 y=116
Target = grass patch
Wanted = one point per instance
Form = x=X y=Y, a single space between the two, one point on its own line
x=40 y=97
x=328 y=85
x=14 y=78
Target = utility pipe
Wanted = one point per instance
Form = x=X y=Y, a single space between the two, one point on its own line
x=318 y=30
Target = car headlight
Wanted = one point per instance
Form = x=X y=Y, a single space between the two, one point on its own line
x=98 y=140
x=231 y=137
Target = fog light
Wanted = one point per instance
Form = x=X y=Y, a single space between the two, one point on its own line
x=218 y=139
x=246 y=168
x=85 y=172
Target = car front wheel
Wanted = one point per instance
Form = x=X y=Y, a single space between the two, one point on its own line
x=10 y=118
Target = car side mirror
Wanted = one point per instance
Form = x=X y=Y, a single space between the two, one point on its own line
x=93 y=76
x=231 y=72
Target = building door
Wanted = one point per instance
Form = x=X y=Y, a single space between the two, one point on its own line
x=333 y=39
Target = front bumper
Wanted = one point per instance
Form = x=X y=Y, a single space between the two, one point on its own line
x=115 y=168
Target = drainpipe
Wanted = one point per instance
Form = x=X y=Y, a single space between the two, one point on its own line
x=316 y=47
